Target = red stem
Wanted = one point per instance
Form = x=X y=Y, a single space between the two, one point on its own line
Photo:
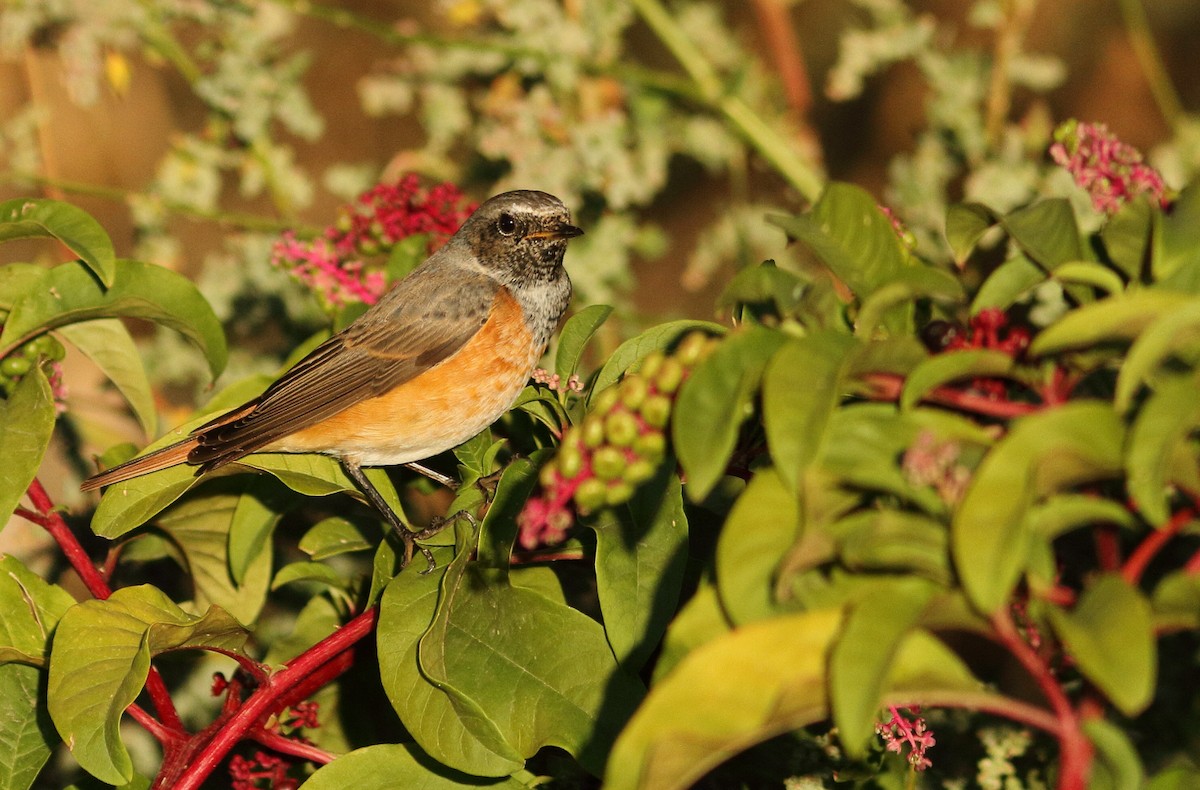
x=888 y=386
x=305 y=751
x=1075 y=750
x=1135 y=566
x=1193 y=565
x=268 y=696
x=171 y=728
x=1108 y=548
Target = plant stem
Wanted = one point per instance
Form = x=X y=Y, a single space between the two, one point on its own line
x=49 y=519
x=1075 y=750
x=1009 y=36
x=305 y=751
x=1146 y=51
x=271 y=695
x=888 y=386
x=772 y=146
x=1135 y=566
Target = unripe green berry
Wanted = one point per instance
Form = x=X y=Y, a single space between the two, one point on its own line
x=638 y=471
x=14 y=366
x=651 y=445
x=590 y=494
x=45 y=346
x=548 y=475
x=651 y=364
x=656 y=411
x=620 y=428
x=669 y=376
x=618 y=494
x=608 y=463
x=592 y=431
x=605 y=401
x=692 y=349
x=570 y=462
x=633 y=391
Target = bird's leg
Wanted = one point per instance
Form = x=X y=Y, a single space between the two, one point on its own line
x=437 y=477
x=408 y=536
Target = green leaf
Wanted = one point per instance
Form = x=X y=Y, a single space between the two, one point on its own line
x=1065 y=512
x=714 y=402
x=1007 y=283
x=1087 y=273
x=333 y=536
x=641 y=553
x=1110 y=634
x=311 y=474
x=1166 y=335
x=863 y=652
x=1074 y=443
x=107 y=343
x=695 y=718
x=1127 y=235
x=30 y=609
x=763 y=524
x=701 y=620
x=1177 y=602
x=15 y=280
x=406 y=611
x=69 y=294
x=575 y=334
x=1177 y=247
x=26 y=423
x=846 y=229
x=498 y=531
x=27 y=736
x=885 y=539
x=1116 y=765
x=25 y=218
x=954 y=365
x=1047 y=232
x=634 y=350
x=906 y=286
x=1178 y=777
x=307 y=572
x=200 y=527
x=557 y=685
x=766 y=287
x=1117 y=318
x=258 y=510
x=965 y=225
x=803 y=384
x=387 y=766
x=1156 y=445
x=101 y=657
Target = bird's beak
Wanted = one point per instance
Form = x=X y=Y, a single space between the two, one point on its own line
x=563 y=231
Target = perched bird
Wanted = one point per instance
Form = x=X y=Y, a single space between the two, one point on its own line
x=437 y=359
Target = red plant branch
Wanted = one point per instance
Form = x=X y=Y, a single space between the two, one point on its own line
x=300 y=672
x=1075 y=750
x=171 y=728
x=888 y=386
x=1135 y=566
x=291 y=746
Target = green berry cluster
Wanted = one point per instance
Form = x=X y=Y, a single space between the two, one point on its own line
x=22 y=359
x=619 y=444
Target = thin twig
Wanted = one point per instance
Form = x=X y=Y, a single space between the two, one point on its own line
x=1146 y=51
x=1009 y=36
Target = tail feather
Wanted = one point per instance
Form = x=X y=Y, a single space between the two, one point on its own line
x=170 y=455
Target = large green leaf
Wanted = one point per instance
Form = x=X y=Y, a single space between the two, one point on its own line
x=534 y=672
x=1047 y=232
x=30 y=217
x=1176 y=248
x=389 y=766
x=641 y=552
x=1117 y=318
x=952 y=366
x=1110 y=634
x=108 y=343
x=26 y=423
x=1156 y=449
x=15 y=280
x=847 y=230
x=803 y=384
x=101 y=657
x=30 y=609
x=1007 y=283
x=634 y=350
x=498 y=532
x=763 y=525
x=406 y=611
x=1116 y=765
x=885 y=539
x=1127 y=236
x=864 y=651
x=700 y=620
x=1175 y=331
x=69 y=294
x=714 y=402
x=575 y=334
x=965 y=225
x=1075 y=443
x=907 y=284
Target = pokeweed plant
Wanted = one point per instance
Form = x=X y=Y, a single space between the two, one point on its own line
x=886 y=488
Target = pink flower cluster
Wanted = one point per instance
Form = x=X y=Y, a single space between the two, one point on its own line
x=555 y=383
x=929 y=462
x=899 y=732
x=335 y=265
x=1111 y=171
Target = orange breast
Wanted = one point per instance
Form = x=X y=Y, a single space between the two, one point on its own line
x=438 y=409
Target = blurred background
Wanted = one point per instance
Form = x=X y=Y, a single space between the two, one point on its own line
x=199 y=131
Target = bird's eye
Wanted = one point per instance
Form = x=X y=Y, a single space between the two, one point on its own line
x=506 y=225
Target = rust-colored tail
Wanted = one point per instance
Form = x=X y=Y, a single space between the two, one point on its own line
x=170 y=455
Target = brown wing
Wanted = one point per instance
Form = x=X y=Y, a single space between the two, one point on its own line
x=424 y=320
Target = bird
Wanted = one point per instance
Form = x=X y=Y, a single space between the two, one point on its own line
x=438 y=358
